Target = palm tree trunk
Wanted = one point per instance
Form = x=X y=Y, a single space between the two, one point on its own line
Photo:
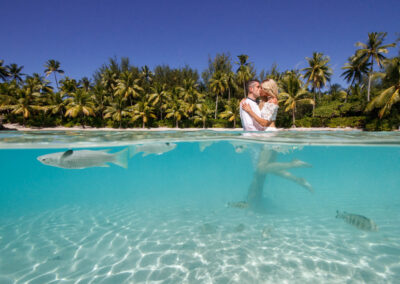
x=244 y=88
x=369 y=79
x=55 y=77
x=143 y=124
x=293 y=117
x=204 y=123
x=177 y=125
x=216 y=107
x=229 y=93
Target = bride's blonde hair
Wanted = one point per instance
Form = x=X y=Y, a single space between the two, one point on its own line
x=270 y=86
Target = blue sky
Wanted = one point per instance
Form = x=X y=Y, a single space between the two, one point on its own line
x=83 y=34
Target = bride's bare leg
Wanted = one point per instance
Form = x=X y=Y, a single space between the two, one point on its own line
x=300 y=181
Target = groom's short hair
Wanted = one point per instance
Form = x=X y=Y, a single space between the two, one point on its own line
x=251 y=84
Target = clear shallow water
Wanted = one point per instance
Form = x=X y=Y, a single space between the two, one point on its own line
x=165 y=218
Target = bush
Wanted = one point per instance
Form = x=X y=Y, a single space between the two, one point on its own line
x=352 y=121
x=310 y=122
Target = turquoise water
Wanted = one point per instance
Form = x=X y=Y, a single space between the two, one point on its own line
x=174 y=217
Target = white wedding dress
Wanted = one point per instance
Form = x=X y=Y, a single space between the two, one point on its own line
x=269 y=112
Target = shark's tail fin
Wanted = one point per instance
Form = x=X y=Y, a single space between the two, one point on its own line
x=121 y=158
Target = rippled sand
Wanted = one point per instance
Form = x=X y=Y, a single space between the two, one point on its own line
x=185 y=245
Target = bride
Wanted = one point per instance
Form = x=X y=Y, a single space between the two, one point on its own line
x=268 y=105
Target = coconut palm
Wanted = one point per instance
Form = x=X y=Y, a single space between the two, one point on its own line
x=53 y=66
x=117 y=110
x=354 y=70
x=128 y=86
x=25 y=104
x=318 y=73
x=190 y=94
x=373 y=50
x=143 y=110
x=55 y=104
x=176 y=107
x=203 y=112
x=231 y=83
x=232 y=111
x=14 y=72
x=68 y=86
x=243 y=72
x=391 y=95
x=218 y=85
x=100 y=100
x=3 y=71
x=158 y=96
x=293 y=93
x=80 y=104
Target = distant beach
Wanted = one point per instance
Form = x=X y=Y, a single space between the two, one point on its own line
x=18 y=127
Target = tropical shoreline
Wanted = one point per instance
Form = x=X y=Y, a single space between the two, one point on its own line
x=17 y=127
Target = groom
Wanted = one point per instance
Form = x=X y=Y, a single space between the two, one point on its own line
x=253 y=92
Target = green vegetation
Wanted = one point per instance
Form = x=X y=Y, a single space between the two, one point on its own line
x=121 y=95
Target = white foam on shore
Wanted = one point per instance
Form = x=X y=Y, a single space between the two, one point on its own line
x=192 y=245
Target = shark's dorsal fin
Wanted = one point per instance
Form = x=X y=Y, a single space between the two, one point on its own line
x=67 y=154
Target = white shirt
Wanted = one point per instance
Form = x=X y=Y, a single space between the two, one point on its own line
x=248 y=123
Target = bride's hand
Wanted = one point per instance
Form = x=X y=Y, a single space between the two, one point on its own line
x=245 y=106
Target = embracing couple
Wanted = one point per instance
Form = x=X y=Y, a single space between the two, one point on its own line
x=262 y=116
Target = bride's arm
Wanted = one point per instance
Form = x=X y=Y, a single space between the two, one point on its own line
x=246 y=107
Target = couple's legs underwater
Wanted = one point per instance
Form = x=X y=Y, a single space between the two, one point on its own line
x=267 y=165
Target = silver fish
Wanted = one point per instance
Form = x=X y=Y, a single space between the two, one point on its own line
x=83 y=159
x=151 y=148
x=359 y=221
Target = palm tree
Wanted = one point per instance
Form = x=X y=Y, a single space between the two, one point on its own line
x=391 y=95
x=80 y=104
x=14 y=71
x=373 y=50
x=243 y=72
x=100 y=100
x=56 y=104
x=354 y=70
x=53 y=66
x=176 y=107
x=159 y=95
x=231 y=80
x=203 y=112
x=293 y=93
x=117 y=110
x=232 y=111
x=143 y=110
x=190 y=94
x=25 y=103
x=127 y=86
x=218 y=85
x=3 y=71
x=318 y=73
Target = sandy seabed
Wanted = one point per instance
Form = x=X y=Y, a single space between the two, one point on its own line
x=74 y=244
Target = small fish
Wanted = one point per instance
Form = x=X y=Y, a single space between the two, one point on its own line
x=359 y=221
x=83 y=159
x=152 y=148
x=240 y=204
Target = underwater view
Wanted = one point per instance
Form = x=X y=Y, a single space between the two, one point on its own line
x=199 y=207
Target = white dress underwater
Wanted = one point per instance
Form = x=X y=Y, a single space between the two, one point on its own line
x=269 y=112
